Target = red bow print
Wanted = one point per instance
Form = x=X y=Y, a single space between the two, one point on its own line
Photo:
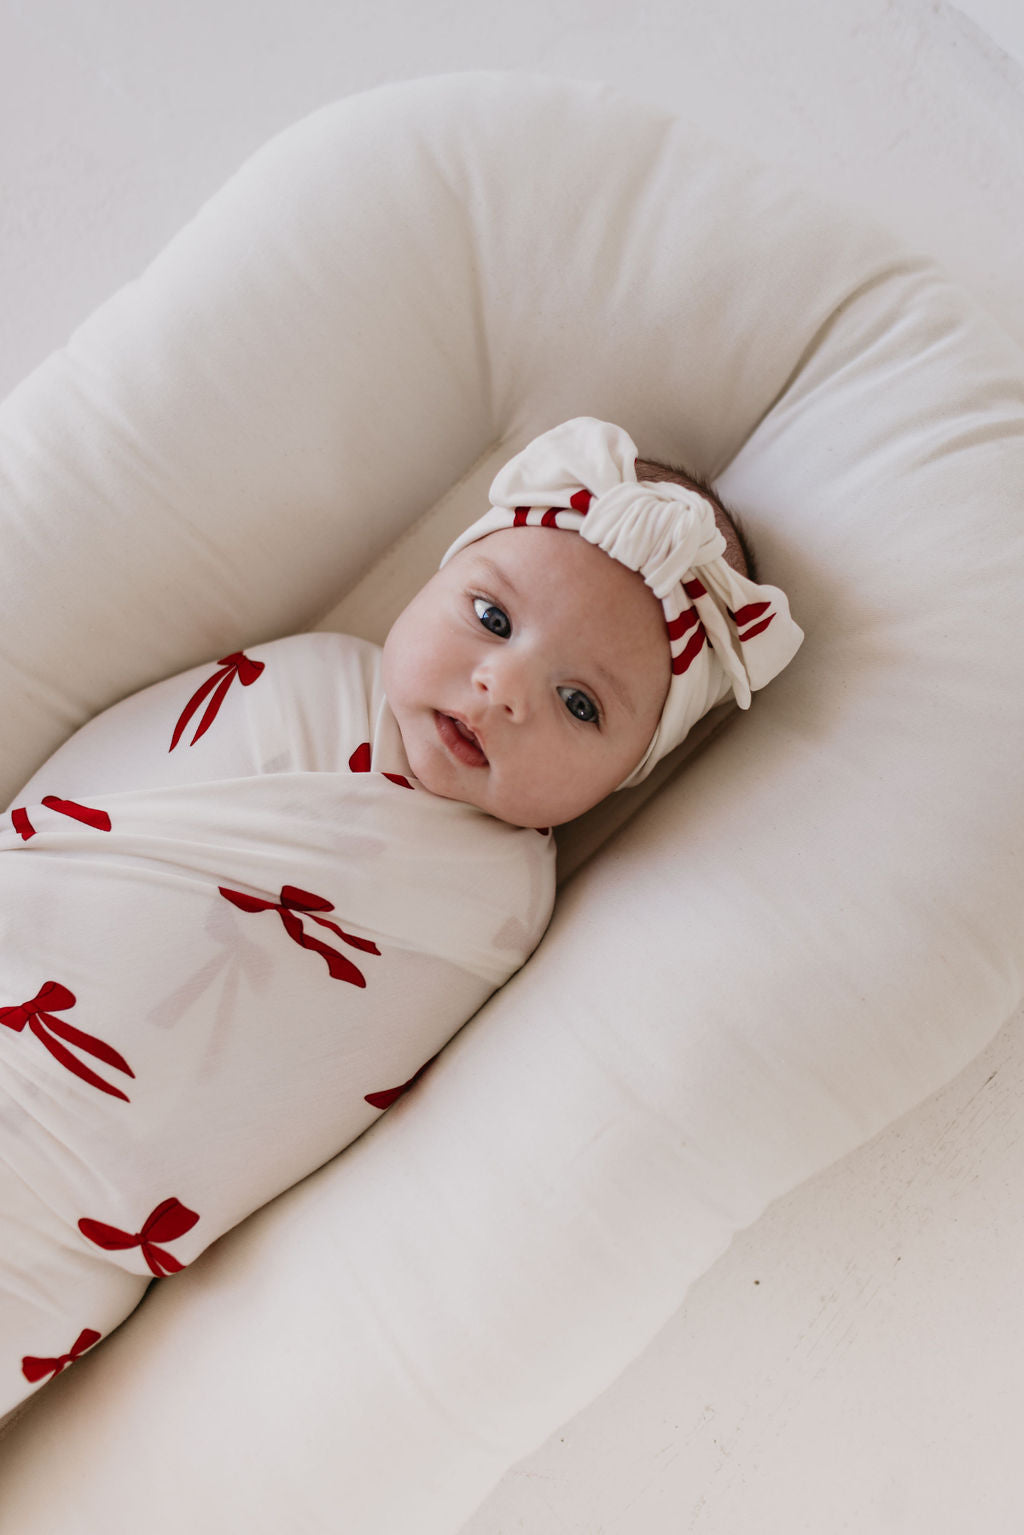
x=168 y=1221
x=38 y=1014
x=35 y=1369
x=359 y=762
x=295 y=900
x=384 y=1099
x=235 y=665
x=21 y=823
x=84 y=813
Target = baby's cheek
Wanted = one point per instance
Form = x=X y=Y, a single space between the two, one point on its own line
x=399 y=668
x=386 y=662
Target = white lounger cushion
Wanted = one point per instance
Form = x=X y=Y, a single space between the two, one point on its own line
x=800 y=936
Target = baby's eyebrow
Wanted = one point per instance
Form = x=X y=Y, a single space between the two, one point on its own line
x=613 y=685
x=497 y=573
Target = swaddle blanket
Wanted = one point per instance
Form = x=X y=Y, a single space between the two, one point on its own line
x=232 y=929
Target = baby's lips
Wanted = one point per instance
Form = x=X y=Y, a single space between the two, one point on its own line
x=466 y=730
x=470 y=734
x=460 y=740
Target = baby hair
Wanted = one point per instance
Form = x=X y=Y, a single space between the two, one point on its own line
x=738 y=552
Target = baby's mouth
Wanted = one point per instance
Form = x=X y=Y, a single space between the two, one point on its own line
x=459 y=740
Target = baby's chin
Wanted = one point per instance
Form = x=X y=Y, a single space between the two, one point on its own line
x=528 y=817
x=534 y=816
x=512 y=815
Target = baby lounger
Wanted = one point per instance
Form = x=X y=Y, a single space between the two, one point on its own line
x=787 y=944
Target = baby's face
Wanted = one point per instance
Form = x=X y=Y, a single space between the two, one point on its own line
x=528 y=676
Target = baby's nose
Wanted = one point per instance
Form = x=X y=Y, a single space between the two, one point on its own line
x=505 y=680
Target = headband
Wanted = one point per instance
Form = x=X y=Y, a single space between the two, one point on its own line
x=725 y=633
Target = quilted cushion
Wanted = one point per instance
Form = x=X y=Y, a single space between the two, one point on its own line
x=797 y=937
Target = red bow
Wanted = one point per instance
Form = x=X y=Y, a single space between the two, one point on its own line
x=35 y=1369
x=359 y=762
x=384 y=1099
x=98 y=819
x=21 y=823
x=38 y=1014
x=235 y=665
x=168 y=1221
x=295 y=900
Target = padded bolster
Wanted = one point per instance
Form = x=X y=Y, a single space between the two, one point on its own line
x=380 y=296
x=796 y=940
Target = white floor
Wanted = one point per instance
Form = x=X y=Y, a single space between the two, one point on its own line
x=854 y=1365
x=856 y=1361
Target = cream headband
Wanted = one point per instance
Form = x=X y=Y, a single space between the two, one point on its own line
x=725 y=633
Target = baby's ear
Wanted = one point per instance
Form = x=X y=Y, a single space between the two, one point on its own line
x=735 y=546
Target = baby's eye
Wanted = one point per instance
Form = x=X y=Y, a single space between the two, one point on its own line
x=492 y=617
x=578 y=703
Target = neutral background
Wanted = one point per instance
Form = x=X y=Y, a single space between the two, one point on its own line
x=860 y=1349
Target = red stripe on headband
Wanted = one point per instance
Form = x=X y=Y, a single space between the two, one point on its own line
x=580 y=502
x=677 y=627
x=758 y=628
x=548 y=520
x=747 y=614
x=694 y=588
x=683 y=661
x=522 y=512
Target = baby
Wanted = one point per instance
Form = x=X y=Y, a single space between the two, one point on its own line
x=242 y=910
x=517 y=642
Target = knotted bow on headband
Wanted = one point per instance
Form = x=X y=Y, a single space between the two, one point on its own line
x=725 y=632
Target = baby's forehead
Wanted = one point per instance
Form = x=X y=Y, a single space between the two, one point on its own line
x=563 y=575
x=540 y=556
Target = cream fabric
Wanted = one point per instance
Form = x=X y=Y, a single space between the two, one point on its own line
x=795 y=940
x=726 y=635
